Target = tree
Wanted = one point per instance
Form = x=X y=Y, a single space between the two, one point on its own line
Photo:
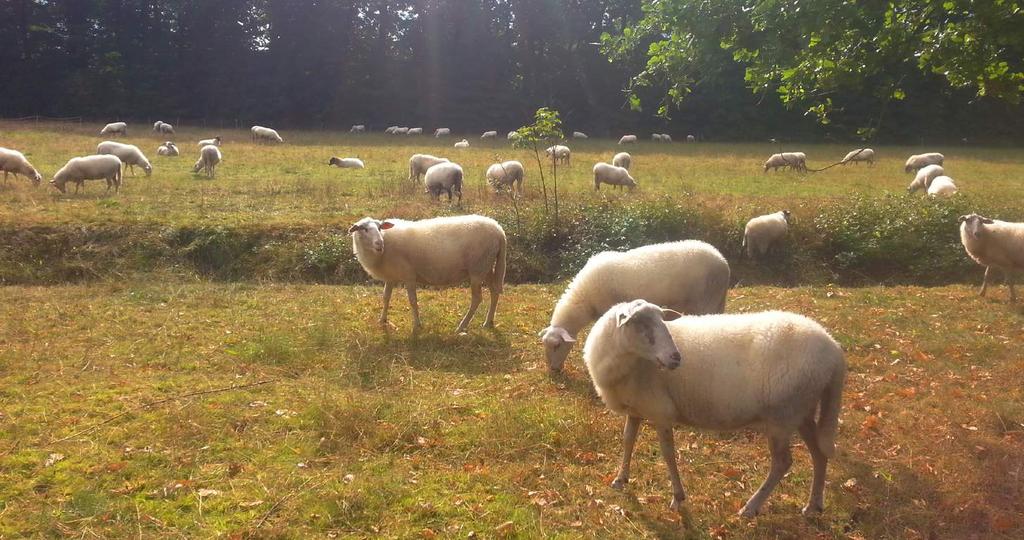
x=545 y=129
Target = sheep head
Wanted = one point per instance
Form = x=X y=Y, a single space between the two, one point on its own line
x=641 y=326
x=557 y=344
x=973 y=224
x=367 y=235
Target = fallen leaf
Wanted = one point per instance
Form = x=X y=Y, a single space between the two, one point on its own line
x=53 y=459
x=207 y=492
x=505 y=529
x=250 y=504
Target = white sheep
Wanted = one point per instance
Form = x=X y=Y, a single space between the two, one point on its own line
x=628 y=139
x=391 y=130
x=994 y=244
x=489 y=135
x=115 y=127
x=444 y=177
x=168 y=149
x=770 y=371
x=579 y=135
x=214 y=141
x=793 y=160
x=14 y=162
x=688 y=276
x=918 y=161
x=691 y=138
x=419 y=163
x=860 y=154
x=260 y=133
x=401 y=131
x=762 y=232
x=623 y=159
x=415 y=131
x=80 y=169
x=129 y=154
x=666 y=138
x=513 y=135
x=462 y=144
x=209 y=158
x=924 y=177
x=509 y=173
x=656 y=137
x=442 y=251
x=942 y=186
x=346 y=163
x=163 y=127
x=612 y=175
x=561 y=152
x=442 y=132
x=358 y=128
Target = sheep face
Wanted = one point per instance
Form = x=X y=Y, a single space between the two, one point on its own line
x=59 y=184
x=557 y=344
x=973 y=224
x=367 y=235
x=786 y=216
x=642 y=327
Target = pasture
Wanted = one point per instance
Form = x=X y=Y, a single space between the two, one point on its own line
x=318 y=423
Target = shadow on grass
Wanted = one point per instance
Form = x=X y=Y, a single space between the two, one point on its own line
x=479 y=351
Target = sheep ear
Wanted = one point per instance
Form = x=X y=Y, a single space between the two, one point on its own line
x=622 y=318
x=386 y=225
x=961 y=219
x=355 y=228
x=987 y=221
x=670 y=314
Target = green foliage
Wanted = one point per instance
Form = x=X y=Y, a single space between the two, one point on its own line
x=546 y=126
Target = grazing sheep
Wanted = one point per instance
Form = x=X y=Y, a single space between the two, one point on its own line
x=80 y=169
x=509 y=173
x=401 y=131
x=489 y=135
x=612 y=175
x=762 y=232
x=115 y=127
x=561 y=152
x=214 y=141
x=462 y=144
x=209 y=157
x=391 y=130
x=129 y=154
x=666 y=138
x=628 y=139
x=446 y=177
x=163 y=127
x=415 y=131
x=918 y=161
x=770 y=371
x=861 y=154
x=579 y=135
x=924 y=177
x=994 y=244
x=442 y=132
x=793 y=160
x=623 y=159
x=691 y=138
x=656 y=137
x=167 y=149
x=942 y=186
x=346 y=163
x=688 y=276
x=441 y=251
x=14 y=162
x=419 y=163
x=260 y=133
x=358 y=128
x=513 y=135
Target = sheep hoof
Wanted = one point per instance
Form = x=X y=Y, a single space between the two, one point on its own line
x=620 y=483
x=812 y=510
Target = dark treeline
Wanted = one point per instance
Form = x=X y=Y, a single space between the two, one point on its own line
x=466 y=64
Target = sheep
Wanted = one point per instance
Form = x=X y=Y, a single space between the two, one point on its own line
x=14 y=162
x=419 y=163
x=561 y=152
x=462 y=144
x=442 y=132
x=346 y=163
x=579 y=135
x=861 y=154
x=762 y=232
x=168 y=149
x=163 y=127
x=918 y=161
x=209 y=157
x=489 y=135
x=415 y=131
x=942 y=186
x=509 y=173
x=442 y=251
x=770 y=371
x=513 y=135
x=358 y=128
x=260 y=133
x=628 y=139
x=688 y=276
x=612 y=175
x=401 y=131
x=994 y=244
x=666 y=138
x=446 y=177
x=129 y=154
x=656 y=137
x=391 y=130
x=691 y=138
x=793 y=160
x=115 y=127
x=623 y=159
x=214 y=141
x=80 y=169
x=924 y=177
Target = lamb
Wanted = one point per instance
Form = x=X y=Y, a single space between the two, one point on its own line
x=579 y=135
x=924 y=177
x=446 y=177
x=561 y=152
x=115 y=127
x=442 y=251
x=129 y=154
x=918 y=161
x=419 y=163
x=346 y=163
x=509 y=173
x=489 y=135
x=163 y=127
x=209 y=158
x=628 y=139
x=214 y=141
x=80 y=169
x=442 y=132
x=358 y=128
x=942 y=186
x=688 y=276
x=793 y=160
x=622 y=159
x=260 y=133
x=994 y=244
x=14 y=162
x=762 y=232
x=612 y=175
x=462 y=144
x=691 y=138
x=168 y=149
x=861 y=154
x=415 y=131
x=769 y=371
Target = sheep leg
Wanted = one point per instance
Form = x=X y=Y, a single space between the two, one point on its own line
x=474 y=303
x=782 y=460
x=411 y=289
x=629 y=433
x=388 y=287
x=984 y=282
x=495 y=293
x=668 y=453
x=1009 y=283
x=816 y=501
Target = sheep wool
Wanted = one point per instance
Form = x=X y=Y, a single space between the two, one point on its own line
x=508 y=174
x=994 y=244
x=80 y=169
x=346 y=163
x=918 y=161
x=419 y=163
x=14 y=162
x=209 y=158
x=612 y=175
x=623 y=159
x=762 y=232
x=129 y=154
x=444 y=177
x=629 y=139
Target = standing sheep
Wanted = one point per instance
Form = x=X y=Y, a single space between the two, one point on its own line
x=918 y=161
x=346 y=163
x=489 y=135
x=509 y=173
x=209 y=158
x=629 y=139
x=80 y=169
x=579 y=135
x=214 y=141
x=260 y=134
x=129 y=154
x=390 y=130
x=358 y=128
x=762 y=232
x=656 y=137
x=561 y=152
x=612 y=175
x=942 y=186
x=623 y=159
x=924 y=177
x=666 y=138
x=444 y=177
x=14 y=162
x=163 y=128
x=419 y=163
x=442 y=132
x=861 y=154
x=691 y=138
x=792 y=160
x=462 y=144
x=441 y=251
x=770 y=371
x=415 y=131
x=168 y=149
x=401 y=131
x=688 y=276
x=994 y=244
x=513 y=135
x=115 y=127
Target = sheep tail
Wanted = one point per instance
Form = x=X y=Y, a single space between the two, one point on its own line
x=828 y=419
x=499 y=264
